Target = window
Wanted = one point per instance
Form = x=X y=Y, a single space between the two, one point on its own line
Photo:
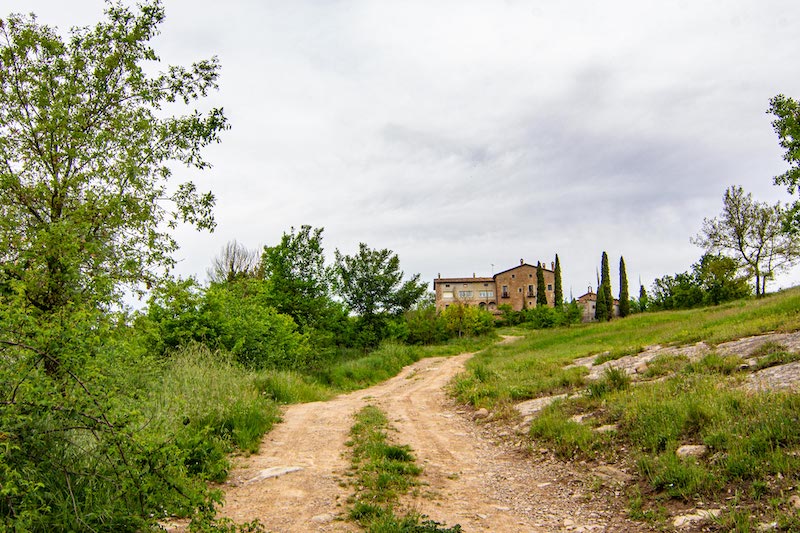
x=465 y=294
x=530 y=275
x=549 y=287
x=464 y=285
x=520 y=290
x=447 y=295
x=505 y=291
x=485 y=284
x=530 y=290
x=486 y=294
x=446 y=284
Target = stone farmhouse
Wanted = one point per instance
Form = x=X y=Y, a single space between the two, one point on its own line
x=515 y=287
x=588 y=302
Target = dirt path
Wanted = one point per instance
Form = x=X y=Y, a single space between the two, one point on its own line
x=469 y=477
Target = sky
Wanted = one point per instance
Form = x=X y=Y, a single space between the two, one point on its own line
x=467 y=135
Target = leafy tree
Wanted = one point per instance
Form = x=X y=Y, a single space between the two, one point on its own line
x=604 y=309
x=558 y=291
x=624 y=298
x=86 y=210
x=680 y=291
x=541 y=288
x=371 y=285
x=234 y=262
x=787 y=126
x=719 y=278
x=298 y=280
x=463 y=320
x=753 y=233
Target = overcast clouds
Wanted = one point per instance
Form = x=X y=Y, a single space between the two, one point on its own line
x=464 y=134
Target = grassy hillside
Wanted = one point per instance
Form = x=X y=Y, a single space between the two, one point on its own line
x=751 y=464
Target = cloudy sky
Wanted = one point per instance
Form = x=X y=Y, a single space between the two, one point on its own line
x=465 y=135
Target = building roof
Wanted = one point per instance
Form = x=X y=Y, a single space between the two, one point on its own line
x=463 y=280
x=520 y=266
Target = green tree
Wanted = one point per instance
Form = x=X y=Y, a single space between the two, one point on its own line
x=299 y=282
x=87 y=206
x=753 y=233
x=371 y=285
x=541 y=288
x=643 y=300
x=624 y=297
x=604 y=308
x=463 y=320
x=558 y=290
x=719 y=277
x=787 y=126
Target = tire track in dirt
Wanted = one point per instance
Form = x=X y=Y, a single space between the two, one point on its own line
x=467 y=478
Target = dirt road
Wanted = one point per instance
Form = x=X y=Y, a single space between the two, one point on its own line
x=298 y=482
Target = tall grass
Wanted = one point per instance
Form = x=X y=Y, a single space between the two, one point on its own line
x=213 y=406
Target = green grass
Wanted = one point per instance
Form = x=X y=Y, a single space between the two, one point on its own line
x=383 y=472
x=753 y=439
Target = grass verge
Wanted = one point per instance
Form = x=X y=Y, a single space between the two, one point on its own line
x=751 y=460
x=382 y=473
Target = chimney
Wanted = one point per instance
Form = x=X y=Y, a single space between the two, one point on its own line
x=440 y=275
x=521 y=262
x=473 y=274
x=552 y=265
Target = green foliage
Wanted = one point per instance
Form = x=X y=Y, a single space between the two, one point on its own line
x=299 y=282
x=558 y=291
x=713 y=280
x=383 y=473
x=541 y=292
x=425 y=326
x=371 y=284
x=614 y=379
x=787 y=126
x=624 y=297
x=463 y=320
x=235 y=317
x=754 y=234
x=567 y=437
x=604 y=308
x=644 y=303
x=86 y=213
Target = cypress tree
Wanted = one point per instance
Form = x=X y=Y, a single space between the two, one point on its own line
x=605 y=301
x=600 y=311
x=624 y=297
x=541 y=288
x=558 y=297
x=642 y=299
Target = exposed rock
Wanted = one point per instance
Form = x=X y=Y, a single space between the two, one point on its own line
x=606 y=428
x=689 y=520
x=609 y=473
x=794 y=501
x=777 y=377
x=531 y=407
x=768 y=526
x=481 y=413
x=274 y=471
x=641 y=368
x=323 y=518
x=692 y=450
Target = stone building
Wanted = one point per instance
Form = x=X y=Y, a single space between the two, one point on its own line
x=515 y=287
x=588 y=303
